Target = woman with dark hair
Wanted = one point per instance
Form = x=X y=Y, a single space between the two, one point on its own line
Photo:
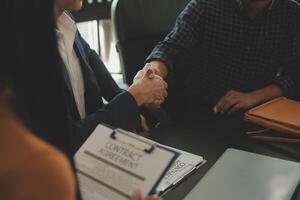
x=35 y=69
x=32 y=169
x=29 y=55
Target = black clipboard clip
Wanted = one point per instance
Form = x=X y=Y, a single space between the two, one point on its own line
x=148 y=151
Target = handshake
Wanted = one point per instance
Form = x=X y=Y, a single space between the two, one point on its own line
x=148 y=88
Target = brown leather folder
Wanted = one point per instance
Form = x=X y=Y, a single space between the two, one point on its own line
x=280 y=114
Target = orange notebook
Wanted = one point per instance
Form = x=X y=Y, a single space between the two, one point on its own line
x=280 y=114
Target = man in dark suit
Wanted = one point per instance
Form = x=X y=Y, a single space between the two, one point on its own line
x=87 y=81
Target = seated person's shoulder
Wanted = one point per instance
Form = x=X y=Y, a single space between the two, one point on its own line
x=35 y=170
x=53 y=171
x=44 y=175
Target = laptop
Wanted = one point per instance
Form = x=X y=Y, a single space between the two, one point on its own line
x=240 y=175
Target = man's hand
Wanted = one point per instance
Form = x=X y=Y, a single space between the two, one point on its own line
x=152 y=70
x=233 y=101
x=138 y=196
x=151 y=73
x=156 y=67
x=148 y=88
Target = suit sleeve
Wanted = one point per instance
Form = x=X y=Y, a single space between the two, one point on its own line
x=121 y=111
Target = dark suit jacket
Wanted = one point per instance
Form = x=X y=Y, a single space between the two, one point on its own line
x=121 y=111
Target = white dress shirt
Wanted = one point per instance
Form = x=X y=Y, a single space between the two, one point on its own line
x=66 y=31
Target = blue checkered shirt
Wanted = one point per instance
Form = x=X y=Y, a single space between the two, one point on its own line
x=233 y=51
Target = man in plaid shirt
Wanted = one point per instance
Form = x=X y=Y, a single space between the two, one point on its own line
x=248 y=51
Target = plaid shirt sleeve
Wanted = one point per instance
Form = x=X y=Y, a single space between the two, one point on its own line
x=184 y=36
x=289 y=80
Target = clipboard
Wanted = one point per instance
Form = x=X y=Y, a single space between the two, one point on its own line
x=101 y=163
x=149 y=151
x=180 y=153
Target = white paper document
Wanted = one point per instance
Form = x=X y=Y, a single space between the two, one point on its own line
x=111 y=165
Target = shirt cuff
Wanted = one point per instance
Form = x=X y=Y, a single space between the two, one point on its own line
x=161 y=57
x=125 y=111
x=286 y=84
